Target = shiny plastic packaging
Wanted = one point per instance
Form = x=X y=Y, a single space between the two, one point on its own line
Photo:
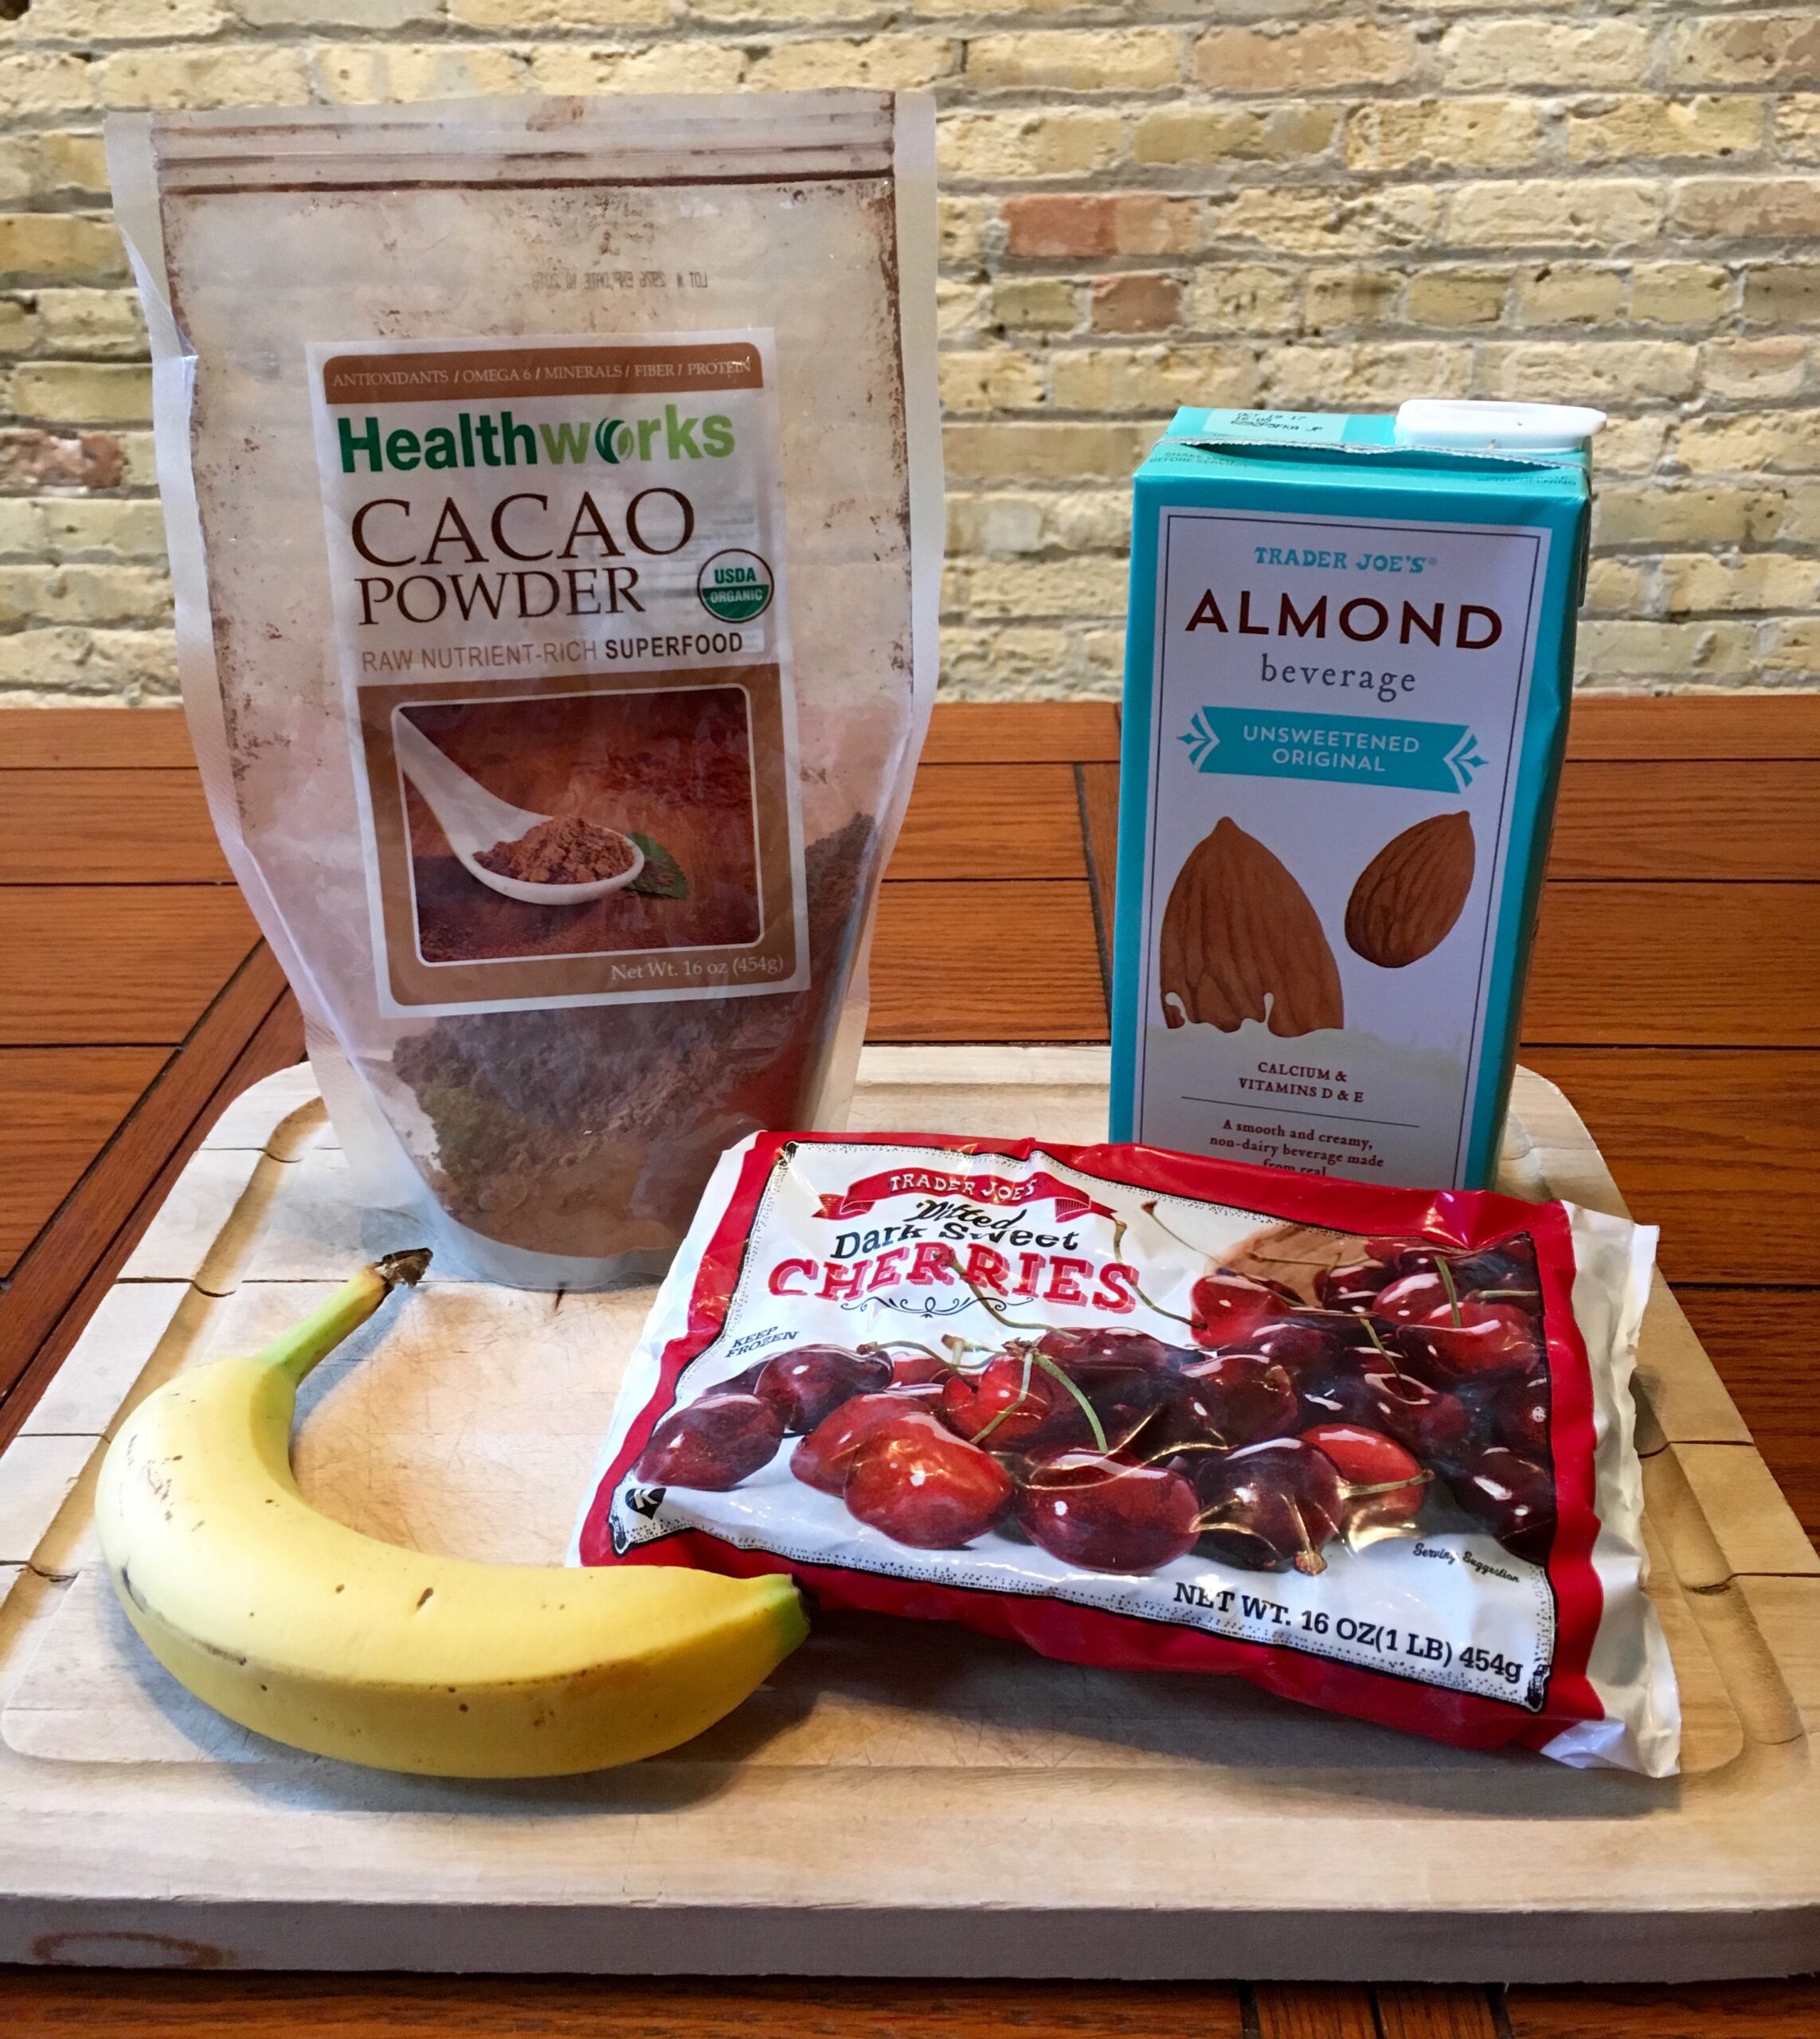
x=1368 y=1448
x=553 y=496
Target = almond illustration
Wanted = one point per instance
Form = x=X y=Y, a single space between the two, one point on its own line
x=1239 y=937
x=1410 y=894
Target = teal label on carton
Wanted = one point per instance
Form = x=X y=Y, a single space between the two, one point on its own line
x=1440 y=758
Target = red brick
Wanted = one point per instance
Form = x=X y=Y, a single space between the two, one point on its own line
x=40 y=459
x=1144 y=303
x=1127 y=223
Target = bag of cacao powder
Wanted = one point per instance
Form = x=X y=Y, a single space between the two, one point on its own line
x=553 y=499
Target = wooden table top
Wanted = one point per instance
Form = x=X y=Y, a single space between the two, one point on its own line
x=1675 y=995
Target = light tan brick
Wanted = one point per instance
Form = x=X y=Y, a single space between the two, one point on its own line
x=1489 y=55
x=1773 y=442
x=1781 y=293
x=22 y=528
x=138 y=456
x=1307 y=58
x=1098 y=521
x=1008 y=145
x=963 y=226
x=221 y=74
x=961 y=309
x=1641 y=651
x=1608 y=213
x=997 y=379
x=1791 y=513
x=1640 y=126
x=59 y=245
x=19 y=326
x=82 y=393
x=995 y=524
x=1021 y=589
x=1585 y=371
x=1647 y=519
x=126 y=666
x=103 y=324
x=1138 y=301
x=1129 y=60
x=1789 y=650
x=1747 y=208
x=1214 y=134
x=125 y=20
x=820 y=13
x=1355 y=296
x=985 y=665
x=1797 y=126
x=1037 y=304
x=45 y=81
x=1472 y=134
x=1243 y=298
x=1458 y=296
x=1329 y=223
x=78 y=528
x=1098 y=450
x=1364 y=376
x=1746 y=49
x=1154 y=378
x=1695 y=583
x=1613 y=587
x=31 y=595
x=891 y=62
x=1570 y=294
x=389 y=16
x=73 y=166
x=19 y=171
x=1760 y=369
x=1680 y=293
x=377 y=74
x=1632 y=445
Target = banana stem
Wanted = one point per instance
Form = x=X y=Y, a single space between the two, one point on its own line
x=294 y=1352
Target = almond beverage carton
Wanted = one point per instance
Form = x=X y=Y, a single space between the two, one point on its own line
x=1348 y=664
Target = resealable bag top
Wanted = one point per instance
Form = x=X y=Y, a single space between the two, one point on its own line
x=553 y=499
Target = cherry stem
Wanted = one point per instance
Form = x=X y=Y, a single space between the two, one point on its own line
x=1446 y=1275
x=1418 y=1479
x=902 y=1345
x=986 y=1302
x=1371 y=1332
x=1087 y=1409
x=1017 y=1402
x=1119 y=1232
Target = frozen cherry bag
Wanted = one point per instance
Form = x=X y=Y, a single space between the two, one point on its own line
x=1368 y=1448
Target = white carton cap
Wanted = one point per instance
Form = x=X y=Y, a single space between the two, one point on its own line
x=1484 y=427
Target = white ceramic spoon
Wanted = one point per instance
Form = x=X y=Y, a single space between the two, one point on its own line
x=475 y=820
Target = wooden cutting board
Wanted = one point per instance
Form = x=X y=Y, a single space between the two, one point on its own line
x=899 y=1798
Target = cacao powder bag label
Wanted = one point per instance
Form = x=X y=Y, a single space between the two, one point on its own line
x=553 y=490
x=1348 y=674
x=551 y=562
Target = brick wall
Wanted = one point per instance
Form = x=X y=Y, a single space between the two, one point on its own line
x=1308 y=203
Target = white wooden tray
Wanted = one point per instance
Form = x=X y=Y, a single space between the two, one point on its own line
x=901 y=1799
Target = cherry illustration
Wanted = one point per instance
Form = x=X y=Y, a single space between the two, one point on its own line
x=1519 y=1416
x=1087 y=1353
x=1417 y=1298
x=809 y=1383
x=1507 y=1266
x=1098 y=1512
x=1384 y=1483
x=918 y=1483
x=1299 y=1343
x=918 y=1370
x=713 y=1443
x=1432 y=1424
x=822 y=1459
x=1512 y=1496
x=1226 y=1309
x=1469 y=1341
x=1231 y=1399
x=1355 y=1284
x=1011 y=1403
x=1271 y=1507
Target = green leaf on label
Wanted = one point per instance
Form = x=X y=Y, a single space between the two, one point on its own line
x=662 y=877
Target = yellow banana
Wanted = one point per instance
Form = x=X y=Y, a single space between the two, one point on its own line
x=299 y=1626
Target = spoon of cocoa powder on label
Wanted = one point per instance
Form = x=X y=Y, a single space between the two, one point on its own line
x=545 y=859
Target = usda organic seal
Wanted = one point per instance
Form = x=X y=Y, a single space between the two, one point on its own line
x=734 y=585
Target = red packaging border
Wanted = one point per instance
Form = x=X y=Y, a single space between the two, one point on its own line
x=1462 y=1218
